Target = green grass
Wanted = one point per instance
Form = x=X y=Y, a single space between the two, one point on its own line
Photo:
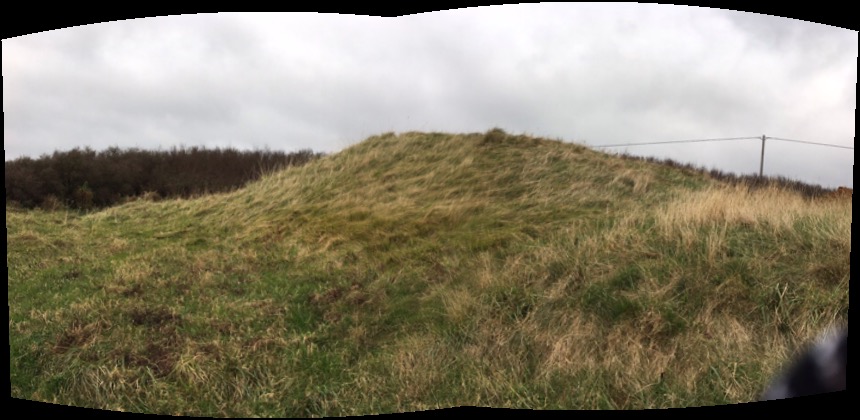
x=426 y=270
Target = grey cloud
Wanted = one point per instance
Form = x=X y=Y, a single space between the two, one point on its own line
x=596 y=73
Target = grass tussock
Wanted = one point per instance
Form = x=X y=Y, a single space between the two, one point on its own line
x=425 y=270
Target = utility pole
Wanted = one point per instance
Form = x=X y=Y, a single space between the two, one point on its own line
x=761 y=162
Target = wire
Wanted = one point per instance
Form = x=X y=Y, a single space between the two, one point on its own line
x=810 y=142
x=723 y=139
x=677 y=141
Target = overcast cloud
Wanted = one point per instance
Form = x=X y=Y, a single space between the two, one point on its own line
x=594 y=73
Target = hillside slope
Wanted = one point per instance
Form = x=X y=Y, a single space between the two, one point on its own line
x=426 y=270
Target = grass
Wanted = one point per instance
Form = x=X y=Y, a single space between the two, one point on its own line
x=426 y=270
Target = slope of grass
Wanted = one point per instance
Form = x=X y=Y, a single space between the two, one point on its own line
x=426 y=270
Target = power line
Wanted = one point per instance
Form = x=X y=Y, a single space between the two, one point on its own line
x=724 y=139
x=678 y=141
x=763 y=138
x=810 y=142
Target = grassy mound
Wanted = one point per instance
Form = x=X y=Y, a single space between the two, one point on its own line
x=426 y=270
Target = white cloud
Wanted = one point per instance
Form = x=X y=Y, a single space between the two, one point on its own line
x=605 y=73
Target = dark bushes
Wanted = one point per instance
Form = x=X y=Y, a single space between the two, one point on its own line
x=750 y=180
x=85 y=179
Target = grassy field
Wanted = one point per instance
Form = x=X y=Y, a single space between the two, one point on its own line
x=426 y=270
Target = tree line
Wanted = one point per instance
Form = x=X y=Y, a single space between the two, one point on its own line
x=753 y=181
x=85 y=179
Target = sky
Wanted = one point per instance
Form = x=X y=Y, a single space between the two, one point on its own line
x=593 y=74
